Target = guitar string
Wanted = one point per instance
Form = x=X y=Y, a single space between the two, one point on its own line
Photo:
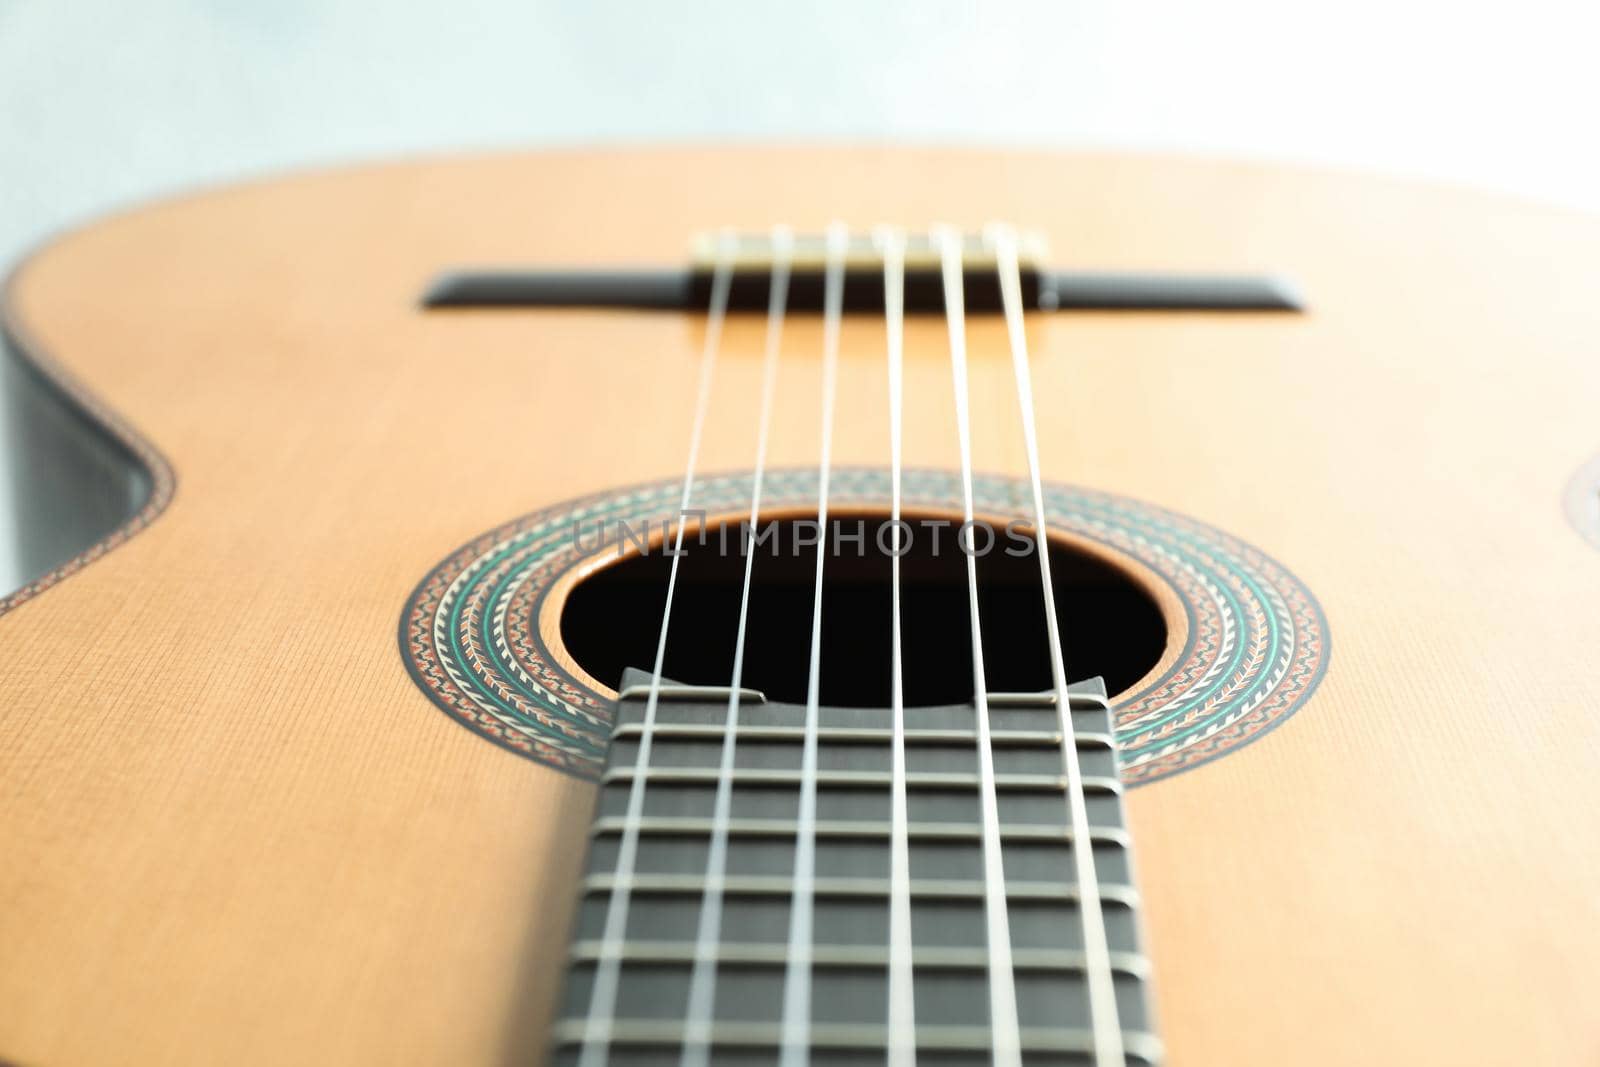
x=902 y=1006
x=1103 y=1021
x=795 y=1032
x=603 y=994
x=1107 y=1035
x=702 y=979
x=1005 y=1029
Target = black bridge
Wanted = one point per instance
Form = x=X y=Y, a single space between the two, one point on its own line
x=688 y=289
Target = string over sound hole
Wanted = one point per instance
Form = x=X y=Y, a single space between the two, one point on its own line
x=1111 y=624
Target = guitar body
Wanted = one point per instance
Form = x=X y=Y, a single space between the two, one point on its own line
x=236 y=829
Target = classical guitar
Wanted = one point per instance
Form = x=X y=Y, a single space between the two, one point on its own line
x=601 y=608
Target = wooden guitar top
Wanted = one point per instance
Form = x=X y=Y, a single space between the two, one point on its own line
x=234 y=830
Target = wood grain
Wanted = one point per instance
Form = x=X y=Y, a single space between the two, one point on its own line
x=232 y=830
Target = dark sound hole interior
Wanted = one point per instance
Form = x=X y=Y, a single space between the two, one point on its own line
x=1110 y=626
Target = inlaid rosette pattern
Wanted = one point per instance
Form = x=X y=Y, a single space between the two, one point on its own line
x=1256 y=641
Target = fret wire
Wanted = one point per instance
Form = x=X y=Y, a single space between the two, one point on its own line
x=1003 y=1019
x=778 y=829
x=933 y=888
x=929 y=780
x=702 y=983
x=797 y=977
x=870 y=735
x=1108 y=1049
x=866 y=1037
x=603 y=994
x=927 y=958
x=902 y=1004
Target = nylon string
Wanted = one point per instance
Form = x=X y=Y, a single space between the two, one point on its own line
x=1005 y=1030
x=603 y=994
x=702 y=980
x=1103 y=1021
x=796 y=1027
x=902 y=1006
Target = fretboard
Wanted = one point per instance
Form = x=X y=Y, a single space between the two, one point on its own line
x=850 y=932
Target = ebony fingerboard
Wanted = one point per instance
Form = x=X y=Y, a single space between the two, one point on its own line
x=851 y=907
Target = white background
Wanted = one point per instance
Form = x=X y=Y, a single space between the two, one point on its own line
x=103 y=102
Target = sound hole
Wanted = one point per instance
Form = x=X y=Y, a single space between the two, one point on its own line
x=1110 y=625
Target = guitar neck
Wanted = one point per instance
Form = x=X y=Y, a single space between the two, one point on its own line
x=853 y=835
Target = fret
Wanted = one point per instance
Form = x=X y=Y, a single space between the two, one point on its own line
x=944 y=958
x=1026 y=860
x=1089 y=716
x=949 y=922
x=858 y=803
x=864 y=735
x=778 y=828
x=779 y=885
x=849 y=951
x=767 y=752
x=835 y=1040
x=1053 y=783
